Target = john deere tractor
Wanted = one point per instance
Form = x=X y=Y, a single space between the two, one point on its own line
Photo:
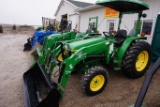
x=129 y=53
x=53 y=41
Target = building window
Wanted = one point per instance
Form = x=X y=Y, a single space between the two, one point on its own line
x=111 y=25
x=146 y=26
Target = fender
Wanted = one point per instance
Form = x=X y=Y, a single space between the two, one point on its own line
x=126 y=45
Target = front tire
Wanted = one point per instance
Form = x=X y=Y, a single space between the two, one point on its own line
x=137 y=59
x=95 y=80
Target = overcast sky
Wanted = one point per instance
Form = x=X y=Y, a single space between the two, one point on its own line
x=28 y=12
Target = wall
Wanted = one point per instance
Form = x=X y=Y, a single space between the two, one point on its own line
x=84 y=19
x=66 y=8
x=127 y=20
x=154 y=8
x=75 y=21
x=152 y=14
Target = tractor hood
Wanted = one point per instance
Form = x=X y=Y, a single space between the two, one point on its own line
x=124 y=5
x=83 y=43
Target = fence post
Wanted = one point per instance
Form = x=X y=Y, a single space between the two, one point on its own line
x=14 y=27
x=1 y=29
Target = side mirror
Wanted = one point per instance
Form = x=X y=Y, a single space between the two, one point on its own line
x=144 y=15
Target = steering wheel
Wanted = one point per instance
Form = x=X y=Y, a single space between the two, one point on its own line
x=107 y=34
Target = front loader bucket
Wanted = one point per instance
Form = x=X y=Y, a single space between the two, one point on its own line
x=38 y=90
x=28 y=45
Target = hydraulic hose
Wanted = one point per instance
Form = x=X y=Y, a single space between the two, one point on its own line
x=146 y=84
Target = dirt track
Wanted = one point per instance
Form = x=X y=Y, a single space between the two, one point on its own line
x=120 y=91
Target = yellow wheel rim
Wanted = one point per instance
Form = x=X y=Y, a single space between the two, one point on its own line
x=97 y=83
x=142 y=61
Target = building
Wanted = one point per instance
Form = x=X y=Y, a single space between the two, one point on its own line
x=66 y=9
x=128 y=22
x=81 y=16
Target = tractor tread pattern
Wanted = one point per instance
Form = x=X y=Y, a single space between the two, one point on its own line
x=130 y=57
x=86 y=79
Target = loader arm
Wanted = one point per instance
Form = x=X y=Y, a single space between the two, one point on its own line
x=67 y=66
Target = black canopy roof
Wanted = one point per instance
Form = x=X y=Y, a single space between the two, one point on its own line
x=124 y=5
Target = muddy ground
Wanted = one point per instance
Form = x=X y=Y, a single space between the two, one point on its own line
x=120 y=91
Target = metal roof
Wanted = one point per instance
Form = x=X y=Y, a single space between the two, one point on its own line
x=88 y=8
x=75 y=4
x=80 y=4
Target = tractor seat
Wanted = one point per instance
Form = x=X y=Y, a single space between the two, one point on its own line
x=120 y=37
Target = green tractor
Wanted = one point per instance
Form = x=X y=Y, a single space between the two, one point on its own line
x=91 y=56
x=50 y=42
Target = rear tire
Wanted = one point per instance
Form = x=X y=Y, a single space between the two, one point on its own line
x=137 y=59
x=95 y=80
